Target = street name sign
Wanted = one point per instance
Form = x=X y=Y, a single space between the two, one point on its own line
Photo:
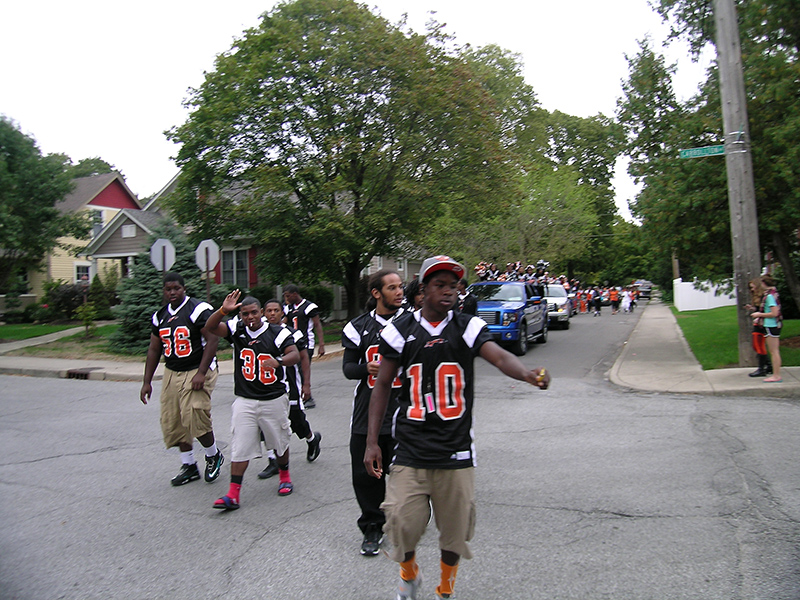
x=702 y=151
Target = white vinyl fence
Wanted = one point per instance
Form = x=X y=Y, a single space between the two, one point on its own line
x=687 y=297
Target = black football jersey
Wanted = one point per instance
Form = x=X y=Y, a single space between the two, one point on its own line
x=301 y=317
x=362 y=335
x=179 y=332
x=294 y=373
x=433 y=424
x=251 y=377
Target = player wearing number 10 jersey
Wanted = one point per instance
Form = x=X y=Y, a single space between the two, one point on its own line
x=260 y=350
x=433 y=351
x=190 y=375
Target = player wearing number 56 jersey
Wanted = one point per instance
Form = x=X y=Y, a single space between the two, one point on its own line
x=361 y=361
x=190 y=375
x=433 y=352
x=260 y=350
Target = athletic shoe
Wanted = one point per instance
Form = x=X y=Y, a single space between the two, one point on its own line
x=313 y=447
x=407 y=590
x=186 y=474
x=309 y=403
x=270 y=470
x=285 y=488
x=438 y=596
x=213 y=465
x=226 y=503
x=372 y=540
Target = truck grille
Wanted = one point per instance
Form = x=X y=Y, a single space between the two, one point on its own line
x=492 y=317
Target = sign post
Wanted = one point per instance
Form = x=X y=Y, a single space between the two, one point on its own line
x=207 y=256
x=162 y=255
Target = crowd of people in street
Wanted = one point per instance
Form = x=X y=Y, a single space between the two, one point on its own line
x=411 y=354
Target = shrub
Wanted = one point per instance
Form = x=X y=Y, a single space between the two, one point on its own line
x=321 y=296
x=63 y=299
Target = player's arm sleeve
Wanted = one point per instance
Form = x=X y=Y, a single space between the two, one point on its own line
x=351 y=367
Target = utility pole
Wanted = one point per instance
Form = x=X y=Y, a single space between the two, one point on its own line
x=739 y=165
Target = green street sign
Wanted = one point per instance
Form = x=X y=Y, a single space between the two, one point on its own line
x=703 y=151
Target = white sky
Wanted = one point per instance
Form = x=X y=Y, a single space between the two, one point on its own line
x=104 y=78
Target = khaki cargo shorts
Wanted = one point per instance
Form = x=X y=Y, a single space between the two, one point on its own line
x=410 y=494
x=185 y=413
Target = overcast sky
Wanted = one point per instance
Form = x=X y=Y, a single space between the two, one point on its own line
x=102 y=78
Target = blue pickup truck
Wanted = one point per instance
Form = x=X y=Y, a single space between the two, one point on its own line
x=515 y=312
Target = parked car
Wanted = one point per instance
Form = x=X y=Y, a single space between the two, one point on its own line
x=514 y=311
x=559 y=305
x=645 y=288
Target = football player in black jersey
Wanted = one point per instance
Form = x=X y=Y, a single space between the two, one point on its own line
x=360 y=339
x=260 y=351
x=433 y=351
x=190 y=374
x=303 y=315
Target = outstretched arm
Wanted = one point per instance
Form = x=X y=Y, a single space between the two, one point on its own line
x=510 y=365
x=214 y=325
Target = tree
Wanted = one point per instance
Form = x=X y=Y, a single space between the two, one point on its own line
x=142 y=293
x=31 y=185
x=770 y=38
x=329 y=136
x=89 y=167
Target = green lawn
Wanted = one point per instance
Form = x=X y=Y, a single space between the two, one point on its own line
x=23 y=331
x=713 y=337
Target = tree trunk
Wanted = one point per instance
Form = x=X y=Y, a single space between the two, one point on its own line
x=352 y=279
x=781 y=246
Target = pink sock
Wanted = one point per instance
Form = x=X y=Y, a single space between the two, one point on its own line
x=233 y=491
x=284 y=476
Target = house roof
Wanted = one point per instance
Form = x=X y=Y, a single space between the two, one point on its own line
x=145 y=219
x=88 y=188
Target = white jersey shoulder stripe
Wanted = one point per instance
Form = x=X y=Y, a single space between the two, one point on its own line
x=351 y=333
x=281 y=337
x=200 y=309
x=474 y=327
x=392 y=336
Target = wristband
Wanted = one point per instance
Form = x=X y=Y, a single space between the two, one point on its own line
x=222 y=312
x=280 y=360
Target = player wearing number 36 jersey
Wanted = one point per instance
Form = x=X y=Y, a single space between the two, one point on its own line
x=261 y=350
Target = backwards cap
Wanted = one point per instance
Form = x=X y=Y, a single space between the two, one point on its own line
x=440 y=263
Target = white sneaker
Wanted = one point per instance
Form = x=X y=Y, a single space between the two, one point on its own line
x=407 y=590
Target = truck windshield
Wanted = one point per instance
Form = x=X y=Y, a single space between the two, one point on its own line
x=508 y=293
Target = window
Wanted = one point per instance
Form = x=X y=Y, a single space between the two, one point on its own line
x=401 y=265
x=129 y=231
x=82 y=274
x=234 y=267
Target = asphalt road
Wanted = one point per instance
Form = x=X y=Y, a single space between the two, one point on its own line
x=584 y=491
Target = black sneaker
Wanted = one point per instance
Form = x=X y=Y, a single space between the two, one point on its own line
x=270 y=471
x=186 y=474
x=313 y=447
x=309 y=403
x=372 y=540
x=213 y=465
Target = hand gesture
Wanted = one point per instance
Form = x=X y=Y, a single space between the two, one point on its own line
x=231 y=302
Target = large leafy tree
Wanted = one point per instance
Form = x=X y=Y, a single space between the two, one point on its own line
x=31 y=185
x=770 y=37
x=329 y=136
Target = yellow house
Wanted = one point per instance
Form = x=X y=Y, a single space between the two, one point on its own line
x=103 y=196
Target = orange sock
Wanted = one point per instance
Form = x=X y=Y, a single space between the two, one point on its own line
x=448 y=579
x=409 y=569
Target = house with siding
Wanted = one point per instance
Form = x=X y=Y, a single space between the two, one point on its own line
x=103 y=196
x=126 y=234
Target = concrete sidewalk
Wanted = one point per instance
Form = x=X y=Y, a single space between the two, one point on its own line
x=656 y=358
